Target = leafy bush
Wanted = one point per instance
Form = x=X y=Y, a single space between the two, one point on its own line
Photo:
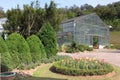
x=18 y=46
x=37 y=49
x=48 y=37
x=5 y=58
x=83 y=66
x=89 y=49
x=77 y=47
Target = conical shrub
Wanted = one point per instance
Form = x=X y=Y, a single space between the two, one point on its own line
x=5 y=58
x=17 y=45
x=37 y=49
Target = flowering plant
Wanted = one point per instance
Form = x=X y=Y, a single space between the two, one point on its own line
x=83 y=66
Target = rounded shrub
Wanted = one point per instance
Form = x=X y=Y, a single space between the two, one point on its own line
x=37 y=49
x=5 y=58
x=82 y=67
x=48 y=37
x=18 y=46
x=13 y=52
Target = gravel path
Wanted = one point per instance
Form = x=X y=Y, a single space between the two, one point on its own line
x=110 y=56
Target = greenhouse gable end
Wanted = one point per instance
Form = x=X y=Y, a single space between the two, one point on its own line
x=88 y=30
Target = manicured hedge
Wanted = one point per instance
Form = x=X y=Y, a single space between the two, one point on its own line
x=19 y=49
x=5 y=58
x=83 y=69
x=37 y=49
x=48 y=37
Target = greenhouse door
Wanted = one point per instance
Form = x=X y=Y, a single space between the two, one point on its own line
x=95 y=42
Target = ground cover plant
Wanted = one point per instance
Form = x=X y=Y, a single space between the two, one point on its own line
x=55 y=58
x=82 y=66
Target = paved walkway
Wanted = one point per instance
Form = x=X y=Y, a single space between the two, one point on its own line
x=110 y=56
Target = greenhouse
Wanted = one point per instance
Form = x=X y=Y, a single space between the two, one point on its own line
x=87 y=29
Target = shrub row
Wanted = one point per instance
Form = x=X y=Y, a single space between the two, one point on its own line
x=19 y=53
x=31 y=51
x=74 y=47
x=85 y=69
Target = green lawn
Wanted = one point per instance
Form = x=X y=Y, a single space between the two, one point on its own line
x=115 y=37
x=44 y=73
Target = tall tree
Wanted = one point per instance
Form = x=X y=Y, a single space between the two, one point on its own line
x=2 y=14
x=52 y=15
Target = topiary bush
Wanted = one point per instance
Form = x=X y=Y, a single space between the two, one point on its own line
x=83 y=67
x=18 y=46
x=37 y=49
x=48 y=37
x=13 y=52
x=5 y=58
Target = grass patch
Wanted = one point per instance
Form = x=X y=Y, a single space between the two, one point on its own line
x=46 y=73
x=115 y=37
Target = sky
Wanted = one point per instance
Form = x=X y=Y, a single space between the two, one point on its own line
x=8 y=4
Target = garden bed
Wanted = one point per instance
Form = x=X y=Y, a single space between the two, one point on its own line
x=83 y=67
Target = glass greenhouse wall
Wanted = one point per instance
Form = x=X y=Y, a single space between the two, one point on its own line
x=84 y=30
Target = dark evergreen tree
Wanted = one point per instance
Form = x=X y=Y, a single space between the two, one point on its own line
x=48 y=37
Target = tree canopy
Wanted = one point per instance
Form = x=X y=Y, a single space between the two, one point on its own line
x=29 y=20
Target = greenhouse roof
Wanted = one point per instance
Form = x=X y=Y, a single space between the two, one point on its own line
x=78 y=18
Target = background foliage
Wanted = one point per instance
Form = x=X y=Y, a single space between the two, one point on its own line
x=30 y=19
